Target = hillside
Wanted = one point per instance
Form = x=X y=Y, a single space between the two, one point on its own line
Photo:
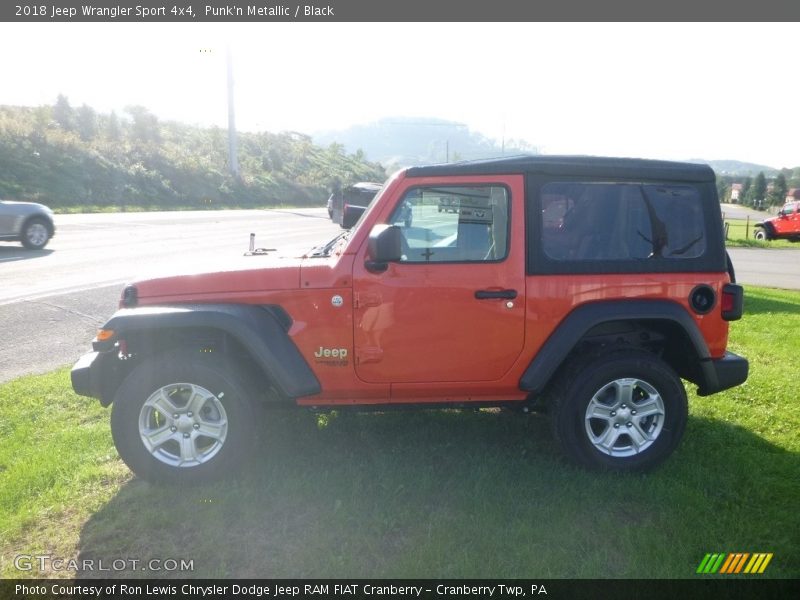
x=736 y=168
x=402 y=141
x=67 y=157
x=76 y=158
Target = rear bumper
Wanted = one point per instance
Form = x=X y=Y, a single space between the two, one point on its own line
x=723 y=373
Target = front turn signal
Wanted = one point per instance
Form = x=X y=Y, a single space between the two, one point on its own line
x=103 y=335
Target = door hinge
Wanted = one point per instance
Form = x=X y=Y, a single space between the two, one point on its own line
x=365 y=299
x=369 y=355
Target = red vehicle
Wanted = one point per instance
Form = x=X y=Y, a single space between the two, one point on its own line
x=587 y=286
x=786 y=226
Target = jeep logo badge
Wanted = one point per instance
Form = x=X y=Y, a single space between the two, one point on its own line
x=333 y=357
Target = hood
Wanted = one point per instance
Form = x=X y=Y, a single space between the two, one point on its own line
x=30 y=206
x=220 y=285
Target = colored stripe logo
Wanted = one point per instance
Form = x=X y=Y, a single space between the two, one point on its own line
x=735 y=563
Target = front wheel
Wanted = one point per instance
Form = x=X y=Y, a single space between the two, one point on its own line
x=183 y=418
x=761 y=234
x=625 y=412
x=35 y=234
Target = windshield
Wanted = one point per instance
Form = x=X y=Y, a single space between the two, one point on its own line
x=330 y=248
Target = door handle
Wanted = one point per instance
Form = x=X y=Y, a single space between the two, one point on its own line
x=495 y=294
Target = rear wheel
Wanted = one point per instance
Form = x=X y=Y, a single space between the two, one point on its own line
x=626 y=411
x=183 y=417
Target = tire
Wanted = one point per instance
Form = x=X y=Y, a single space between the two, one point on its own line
x=35 y=233
x=210 y=430
x=625 y=411
x=761 y=234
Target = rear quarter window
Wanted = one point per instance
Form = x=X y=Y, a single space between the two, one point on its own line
x=606 y=227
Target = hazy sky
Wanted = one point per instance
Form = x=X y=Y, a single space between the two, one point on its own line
x=663 y=90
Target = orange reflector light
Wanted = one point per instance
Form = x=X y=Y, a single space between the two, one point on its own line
x=104 y=335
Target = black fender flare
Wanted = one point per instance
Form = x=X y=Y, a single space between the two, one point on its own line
x=768 y=227
x=261 y=330
x=580 y=321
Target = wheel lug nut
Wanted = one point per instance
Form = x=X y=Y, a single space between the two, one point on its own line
x=629 y=424
x=173 y=429
x=175 y=416
x=186 y=435
x=189 y=414
x=197 y=425
x=613 y=413
x=633 y=412
x=616 y=425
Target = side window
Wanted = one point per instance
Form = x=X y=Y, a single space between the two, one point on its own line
x=621 y=221
x=453 y=224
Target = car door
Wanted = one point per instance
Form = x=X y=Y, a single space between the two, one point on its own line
x=7 y=219
x=794 y=219
x=453 y=308
x=786 y=222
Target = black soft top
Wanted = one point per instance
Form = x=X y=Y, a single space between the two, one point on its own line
x=592 y=166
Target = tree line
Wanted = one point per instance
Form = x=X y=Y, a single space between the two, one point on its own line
x=758 y=192
x=66 y=156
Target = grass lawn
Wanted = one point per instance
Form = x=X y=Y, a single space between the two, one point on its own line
x=440 y=494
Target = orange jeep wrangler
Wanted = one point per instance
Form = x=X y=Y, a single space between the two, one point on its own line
x=587 y=286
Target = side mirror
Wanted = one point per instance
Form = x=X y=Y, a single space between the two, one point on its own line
x=385 y=246
x=351 y=215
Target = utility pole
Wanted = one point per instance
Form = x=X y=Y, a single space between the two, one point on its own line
x=233 y=160
x=503 y=147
